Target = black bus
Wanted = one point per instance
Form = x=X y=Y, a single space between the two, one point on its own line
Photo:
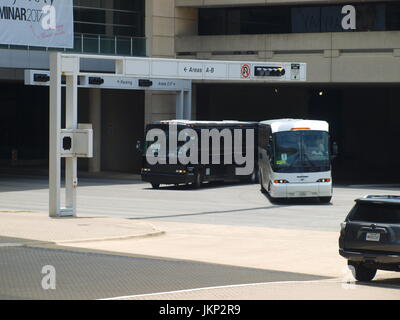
x=206 y=164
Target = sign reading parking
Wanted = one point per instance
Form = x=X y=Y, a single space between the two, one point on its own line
x=43 y=23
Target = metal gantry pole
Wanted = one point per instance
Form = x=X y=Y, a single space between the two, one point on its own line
x=55 y=154
x=71 y=172
x=55 y=128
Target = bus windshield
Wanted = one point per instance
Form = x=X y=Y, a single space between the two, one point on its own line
x=301 y=151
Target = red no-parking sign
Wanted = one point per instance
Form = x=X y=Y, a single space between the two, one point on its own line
x=245 y=71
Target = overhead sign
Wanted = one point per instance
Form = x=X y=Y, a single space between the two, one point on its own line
x=164 y=74
x=211 y=69
x=43 y=23
x=42 y=78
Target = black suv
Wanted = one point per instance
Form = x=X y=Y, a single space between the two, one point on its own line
x=370 y=236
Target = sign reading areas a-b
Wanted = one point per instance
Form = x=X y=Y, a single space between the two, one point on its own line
x=43 y=23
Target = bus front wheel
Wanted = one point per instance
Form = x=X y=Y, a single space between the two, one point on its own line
x=155 y=185
x=198 y=180
x=262 y=189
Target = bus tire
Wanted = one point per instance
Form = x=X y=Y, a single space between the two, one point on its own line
x=155 y=185
x=262 y=189
x=273 y=200
x=325 y=199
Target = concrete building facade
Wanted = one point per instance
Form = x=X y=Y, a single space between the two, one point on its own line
x=352 y=49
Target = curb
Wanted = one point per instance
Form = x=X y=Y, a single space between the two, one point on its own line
x=61 y=242
x=138 y=236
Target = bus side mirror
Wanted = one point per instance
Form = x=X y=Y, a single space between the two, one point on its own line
x=139 y=147
x=269 y=152
x=335 y=150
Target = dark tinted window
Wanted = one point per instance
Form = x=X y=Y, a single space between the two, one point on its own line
x=110 y=18
x=297 y=19
x=375 y=213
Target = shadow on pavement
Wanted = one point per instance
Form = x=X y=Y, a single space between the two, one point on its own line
x=393 y=283
x=205 y=186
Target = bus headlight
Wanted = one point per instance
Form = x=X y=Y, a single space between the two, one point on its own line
x=280 y=181
x=324 y=180
x=146 y=170
x=181 y=171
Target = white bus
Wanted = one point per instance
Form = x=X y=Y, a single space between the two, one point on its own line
x=295 y=159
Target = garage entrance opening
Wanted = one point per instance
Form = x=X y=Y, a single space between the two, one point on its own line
x=24 y=128
x=364 y=120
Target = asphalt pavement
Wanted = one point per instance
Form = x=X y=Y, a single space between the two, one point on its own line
x=222 y=204
x=89 y=274
x=217 y=236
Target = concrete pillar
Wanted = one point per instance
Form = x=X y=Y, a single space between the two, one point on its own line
x=95 y=120
x=160 y=35
x=180 y=101
x=187 y=109
x=194 y=102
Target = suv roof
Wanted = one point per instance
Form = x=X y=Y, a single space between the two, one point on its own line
x=380 y=199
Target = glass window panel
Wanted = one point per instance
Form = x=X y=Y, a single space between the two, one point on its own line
x=107 y=45
x=370 y=17
x=331 y=19
x=124 y=46
x=90 y=44
x=77 y=44
x=306 y=19
x=296 y=19
x=90 y=28
x=392 y=16
x=139 y=47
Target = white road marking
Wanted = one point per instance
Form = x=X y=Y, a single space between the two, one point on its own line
x=6 y=245
x=220 y=287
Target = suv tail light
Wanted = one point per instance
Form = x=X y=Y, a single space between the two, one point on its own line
x=343 y=228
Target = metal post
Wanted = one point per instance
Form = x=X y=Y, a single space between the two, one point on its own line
x=55 y=127
x=95 y=119
x=71 y=118
x=131 y=46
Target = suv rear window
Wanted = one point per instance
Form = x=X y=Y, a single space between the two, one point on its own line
x=375 y=213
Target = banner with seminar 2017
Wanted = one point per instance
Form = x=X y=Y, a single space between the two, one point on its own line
x=42 y=23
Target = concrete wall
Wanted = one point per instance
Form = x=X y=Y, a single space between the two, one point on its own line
x=357 y=57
